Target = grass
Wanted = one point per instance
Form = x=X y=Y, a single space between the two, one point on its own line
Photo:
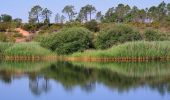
x=131 y=49
x=4 y=46
x=27 y=49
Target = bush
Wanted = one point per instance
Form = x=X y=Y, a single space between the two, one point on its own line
x=52 y=28
x=68 y=40
x=118 y=34
x=151 y=35
x=17 y=35
x=3 y=37
x=92 y=26
x=72 y=24
x=32 y=27
x=4 y=26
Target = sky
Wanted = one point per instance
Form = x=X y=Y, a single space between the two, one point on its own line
x=20 y=8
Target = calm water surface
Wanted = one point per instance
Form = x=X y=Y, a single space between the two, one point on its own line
x=84 y=81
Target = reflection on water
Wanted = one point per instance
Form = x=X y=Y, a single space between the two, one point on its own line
x=92 y=78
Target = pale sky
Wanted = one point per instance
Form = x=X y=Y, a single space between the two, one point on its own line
x=20 y=8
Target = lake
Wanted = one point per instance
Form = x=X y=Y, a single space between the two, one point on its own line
x=84 y=81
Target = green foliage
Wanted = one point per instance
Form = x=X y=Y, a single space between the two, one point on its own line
x=27 y=49
x=3 y=37
x=118 y=34
x=4 y=26
x=32 y=27
x=151 y=35
x=68 y=40
x=92 y=26
x=72 y=24
x=4 y=46
x=50 y=29
x=6 y=18
x=132 y=49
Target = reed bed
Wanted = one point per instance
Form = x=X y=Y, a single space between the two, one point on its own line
x=4 y=46
x=131 y=50
x=30 y=50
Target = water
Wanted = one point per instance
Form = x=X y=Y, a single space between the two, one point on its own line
x=84 y=81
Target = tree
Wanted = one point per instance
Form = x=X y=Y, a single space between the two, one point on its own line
x=121 y=11
x=18 y=20
x=62 y=19
x=35 y=14
x=69 y=10
x=161 y=10
x=141 y=15
x=134 y=13
x=46 y=14
x=83 y=15
x=84 y=12
x=90 y=9
x=57 y=18
x=168 y=8
x=99 y=16
x=6 y=18
x=110 y=15
x=152 y=13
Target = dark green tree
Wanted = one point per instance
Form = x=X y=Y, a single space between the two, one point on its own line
x=35 y=14
x=6 y=18
x=70 y=11
x=46 y=14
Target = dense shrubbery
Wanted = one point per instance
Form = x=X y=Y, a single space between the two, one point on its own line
x=151 y=35
x=32 y=27
x=4 y=26
x=118 y=34
x=92 y=26
x=3 y=37
x=68 y=40
x=50 y=29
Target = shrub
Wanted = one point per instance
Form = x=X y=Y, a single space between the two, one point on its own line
x=4 y=26
x=151 y=35
x=118 y=34
x=68 y=40
x=72 y=24
x=52 y=28
x=92 y=26
x=3 y=37
x=32 y=27
x=17 y=35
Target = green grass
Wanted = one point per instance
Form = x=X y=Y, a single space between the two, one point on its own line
x=4 y=46
x=27 y=49
x=131 y=49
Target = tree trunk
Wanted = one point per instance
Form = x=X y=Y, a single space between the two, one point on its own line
x=90 y=16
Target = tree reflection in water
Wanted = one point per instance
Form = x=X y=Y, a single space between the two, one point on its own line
x=113 y=76
x=39 y=85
